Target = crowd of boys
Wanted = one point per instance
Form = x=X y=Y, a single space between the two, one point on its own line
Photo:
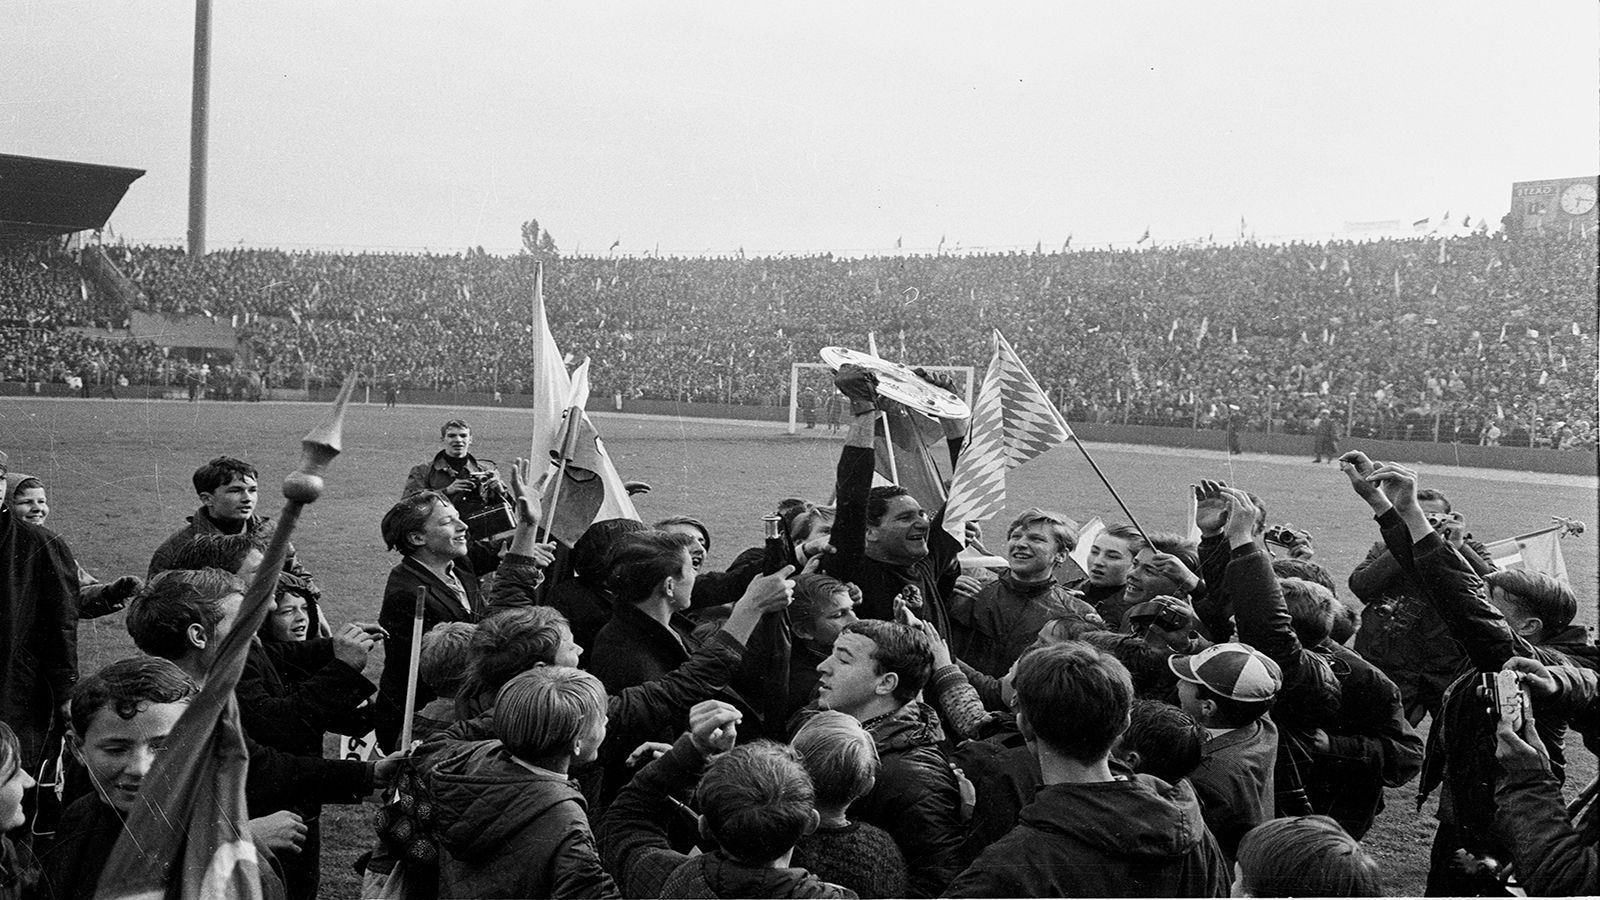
x=1174 y=718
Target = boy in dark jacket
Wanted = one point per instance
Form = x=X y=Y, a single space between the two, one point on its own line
x=1090 y=832
x=1228 y=689
x=755 y=802
x=510 y=822
x=874 y=675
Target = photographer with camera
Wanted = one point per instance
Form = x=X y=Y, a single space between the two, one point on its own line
x=1400 y=631
x=473 y=487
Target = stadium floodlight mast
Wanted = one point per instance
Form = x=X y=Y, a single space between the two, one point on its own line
x=965 y=380
x=199 y=109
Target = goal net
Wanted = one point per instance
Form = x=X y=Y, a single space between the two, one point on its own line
x=815 y=403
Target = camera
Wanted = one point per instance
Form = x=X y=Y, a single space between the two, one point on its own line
x=1162 y=612
x=1280 y=535
x=1504 y=697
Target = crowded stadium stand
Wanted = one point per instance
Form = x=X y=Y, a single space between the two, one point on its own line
x=1472 y=338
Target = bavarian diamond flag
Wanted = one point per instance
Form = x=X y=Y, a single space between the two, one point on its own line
x=1012 y=422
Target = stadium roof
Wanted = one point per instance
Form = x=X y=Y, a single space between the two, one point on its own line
x=42 y=198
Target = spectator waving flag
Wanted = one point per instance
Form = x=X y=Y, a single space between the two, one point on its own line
x=1013 y=422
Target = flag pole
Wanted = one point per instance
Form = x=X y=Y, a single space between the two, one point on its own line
x=569 y=438
x=1107 y=482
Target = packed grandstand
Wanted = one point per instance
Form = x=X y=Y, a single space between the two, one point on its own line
x=1476 y=338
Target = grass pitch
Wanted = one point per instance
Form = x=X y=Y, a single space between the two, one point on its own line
x=118 y=476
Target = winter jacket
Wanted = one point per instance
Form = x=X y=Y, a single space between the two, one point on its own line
x=38 y=631
x=991 y=630
x=1401 y=632
x=1134 y=837
x=916 y=798
x=439 y=473
x=880 y=582
x=509 y=830
x=1370 y=744
x=1556 y=855
x=293 y=692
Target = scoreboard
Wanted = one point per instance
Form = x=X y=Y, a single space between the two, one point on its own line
x=1555 y=202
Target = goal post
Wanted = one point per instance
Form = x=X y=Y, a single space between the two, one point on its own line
x=816 y=379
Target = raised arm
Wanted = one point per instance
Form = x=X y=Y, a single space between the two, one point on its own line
x=633 y=834
x=853 y=478
x=1452 y=586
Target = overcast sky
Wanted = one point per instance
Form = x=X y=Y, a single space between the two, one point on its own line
x=705 y=127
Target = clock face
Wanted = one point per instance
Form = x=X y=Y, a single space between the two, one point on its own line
x=1578 y=198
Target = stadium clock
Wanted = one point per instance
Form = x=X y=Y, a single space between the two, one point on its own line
x=1578 y=198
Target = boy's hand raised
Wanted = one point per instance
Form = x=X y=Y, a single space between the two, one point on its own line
x=713 y=726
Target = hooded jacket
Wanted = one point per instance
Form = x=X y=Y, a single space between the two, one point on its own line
x=508 y=830
x=916 y=798
x=1136 y=837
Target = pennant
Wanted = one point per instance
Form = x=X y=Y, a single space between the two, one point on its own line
x=1536 y=552
x=1144 y=237
x=1013 y=422
x=1420 y=224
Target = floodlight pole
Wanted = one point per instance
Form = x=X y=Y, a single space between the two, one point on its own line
x=199 y=109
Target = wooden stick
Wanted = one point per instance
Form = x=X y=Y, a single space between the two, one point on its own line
x=414 y=667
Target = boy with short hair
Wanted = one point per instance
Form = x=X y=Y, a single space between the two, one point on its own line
x=442 y=666
x=227 y=491
x=121 y=717
x=755 y=802
x=992 y=628
x=875 y=674
x=843 y=764
x=1228 y=689
x=1111 y=557
x=510 y=823
x=1090 y=831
